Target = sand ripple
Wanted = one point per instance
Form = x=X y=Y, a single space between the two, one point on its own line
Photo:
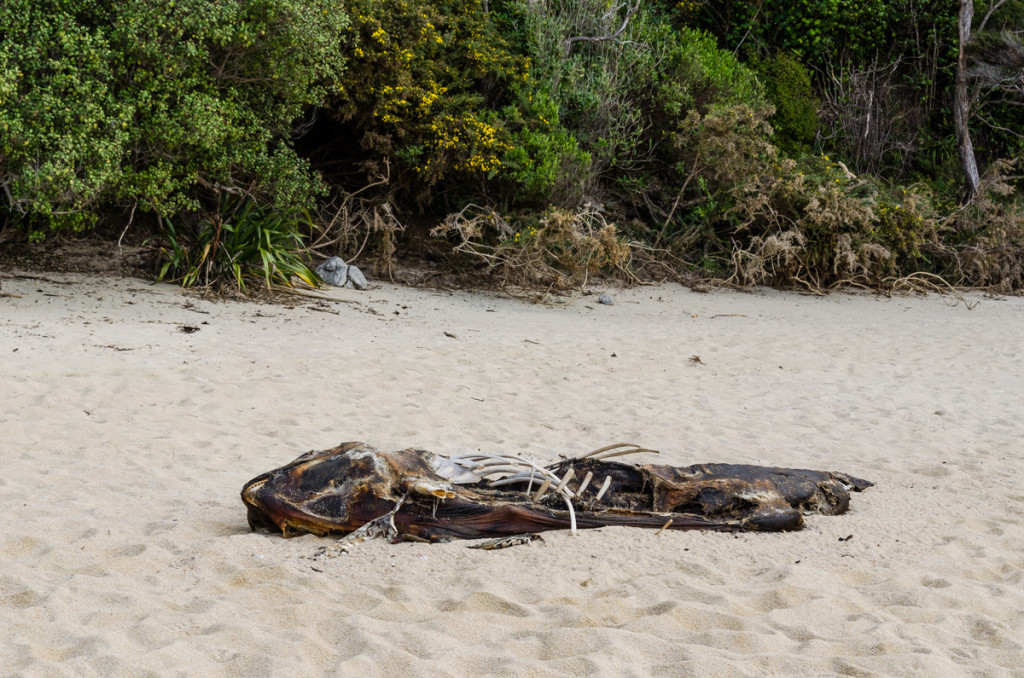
x=125 y=442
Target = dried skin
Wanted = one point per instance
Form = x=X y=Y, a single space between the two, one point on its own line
x=341 y=489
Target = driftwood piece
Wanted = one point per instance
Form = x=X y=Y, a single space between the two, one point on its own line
x=436 y=498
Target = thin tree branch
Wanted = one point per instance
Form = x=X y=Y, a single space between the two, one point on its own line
x=991 y=9
x=131 y=218
x=568 y=42
x=999 y=127
x=749 y=28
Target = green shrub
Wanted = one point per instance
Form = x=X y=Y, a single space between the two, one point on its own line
x=157 y=104
x=544 y=161
x=239 y=242
x=607 y=129
x=713 y=153
x=815 y=31
x=695 y=74
x=885 y=72
x=788 y=87
x=622 y=100
x=415 y=92
x=461 y=101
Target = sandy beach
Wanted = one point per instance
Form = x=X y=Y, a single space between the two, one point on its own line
x=132 y=414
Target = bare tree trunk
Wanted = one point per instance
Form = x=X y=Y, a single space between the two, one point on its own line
x=962 y=105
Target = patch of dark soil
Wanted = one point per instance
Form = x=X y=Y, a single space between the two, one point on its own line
x=81 y=253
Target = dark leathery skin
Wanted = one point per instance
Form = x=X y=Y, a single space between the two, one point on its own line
x=339 y=490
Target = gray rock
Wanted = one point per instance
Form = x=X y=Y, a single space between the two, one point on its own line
x=334 y=271
x=356 y=278
x=606 y=299
x=332 y=264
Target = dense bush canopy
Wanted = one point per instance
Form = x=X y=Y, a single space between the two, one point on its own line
x=157 y=104
x=806 y=142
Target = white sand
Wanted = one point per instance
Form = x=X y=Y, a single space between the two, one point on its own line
x=125 y=442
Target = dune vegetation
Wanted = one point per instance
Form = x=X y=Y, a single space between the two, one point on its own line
x=532 y=143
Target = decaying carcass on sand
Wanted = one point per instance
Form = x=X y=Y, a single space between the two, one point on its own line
x=414 y=494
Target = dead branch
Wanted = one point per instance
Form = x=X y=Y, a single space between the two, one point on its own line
x=351 y=221
x=869 y=115
x=568 y=42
